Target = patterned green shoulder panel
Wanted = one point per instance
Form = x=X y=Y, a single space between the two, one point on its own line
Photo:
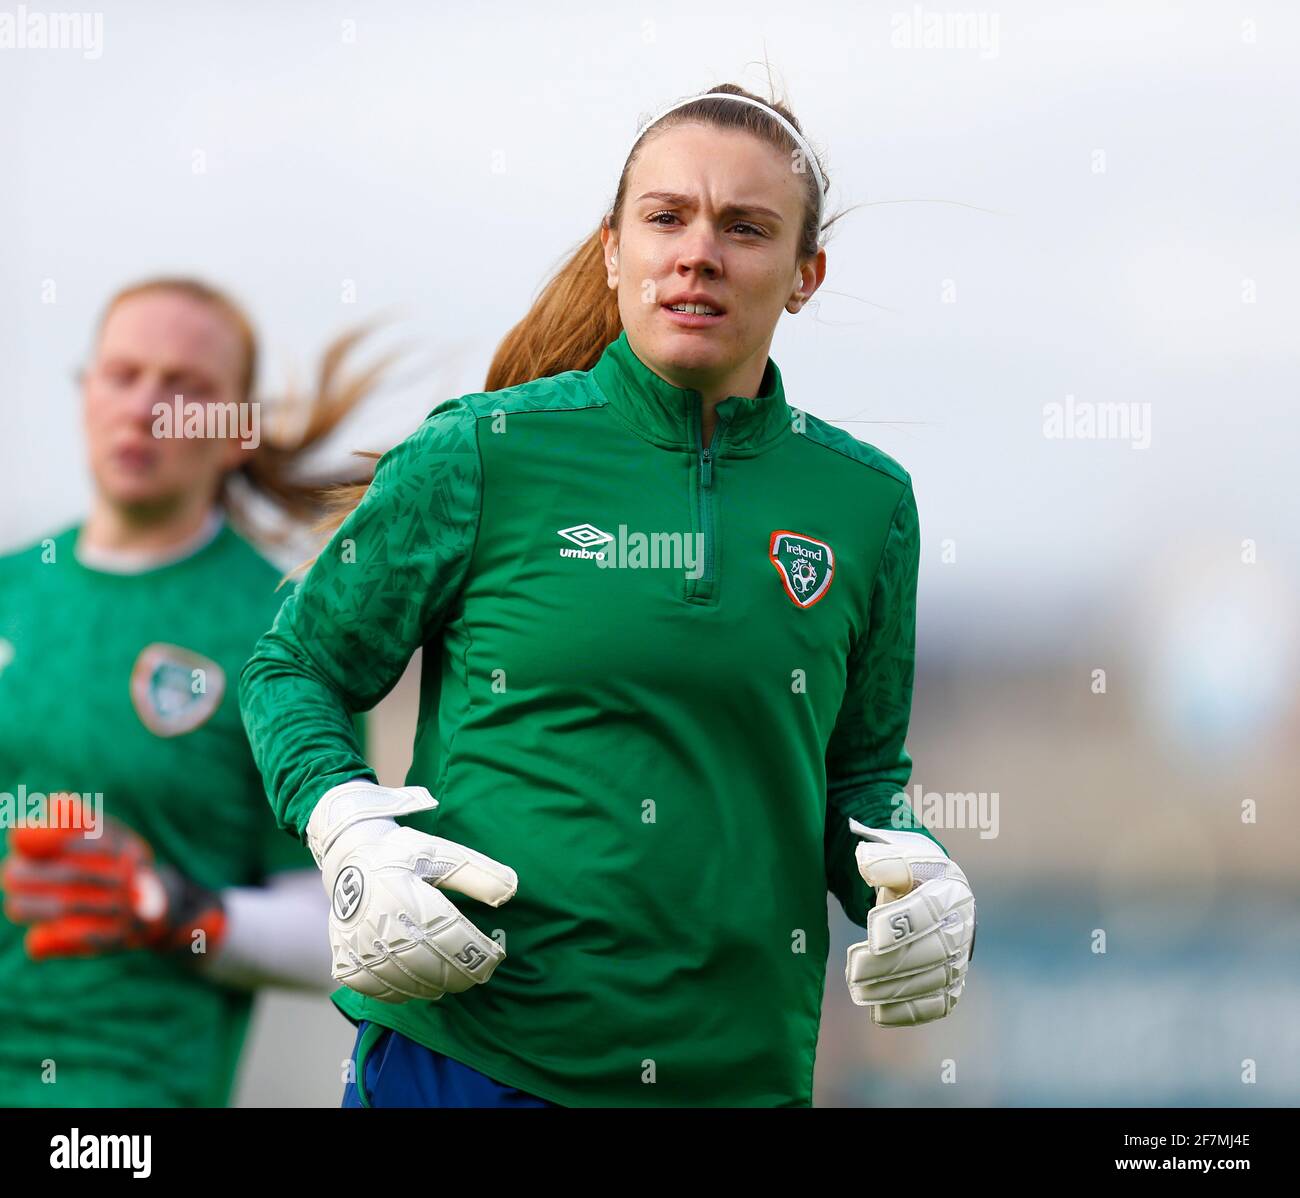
x=822 y=433
x=386 y=579
x=867 y=762
x=558 y=393
x=382 y=587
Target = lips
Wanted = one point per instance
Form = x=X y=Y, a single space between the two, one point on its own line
x=708 y=301
x=134 y=457
x=690 y=320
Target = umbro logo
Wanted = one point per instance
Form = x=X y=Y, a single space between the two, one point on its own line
x=584 y=536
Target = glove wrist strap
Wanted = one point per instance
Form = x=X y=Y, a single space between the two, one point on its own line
x=360 y=799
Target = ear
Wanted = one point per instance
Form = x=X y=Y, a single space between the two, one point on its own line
x=809 y=275
x=609 y=242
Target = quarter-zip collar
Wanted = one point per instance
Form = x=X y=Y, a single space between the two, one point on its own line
x=669 y=416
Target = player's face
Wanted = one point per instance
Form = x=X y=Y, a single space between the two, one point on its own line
x=154 y=347
x=714 y=213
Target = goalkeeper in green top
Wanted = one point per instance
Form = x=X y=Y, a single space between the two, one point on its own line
x=667 y=623
x=146 y=888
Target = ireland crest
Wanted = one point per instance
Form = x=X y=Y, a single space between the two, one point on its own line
x=174 y=690
x=806 y=565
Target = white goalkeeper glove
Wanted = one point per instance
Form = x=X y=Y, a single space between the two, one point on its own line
x=911 y=968
x=393 y=935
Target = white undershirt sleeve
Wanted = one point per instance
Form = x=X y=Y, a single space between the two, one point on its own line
x=276 y=935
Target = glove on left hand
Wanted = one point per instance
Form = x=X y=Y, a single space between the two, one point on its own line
x=911 y=968
x=87 y=895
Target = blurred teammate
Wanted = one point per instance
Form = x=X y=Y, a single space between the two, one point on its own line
x=668 y=631
x=136 y=928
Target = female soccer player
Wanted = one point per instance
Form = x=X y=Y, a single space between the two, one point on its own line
x=668 y=630
x=146 y=888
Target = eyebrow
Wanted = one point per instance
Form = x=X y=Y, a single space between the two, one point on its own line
x=684 y=201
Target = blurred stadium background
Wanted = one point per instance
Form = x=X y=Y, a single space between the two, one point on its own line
x=1100 y=209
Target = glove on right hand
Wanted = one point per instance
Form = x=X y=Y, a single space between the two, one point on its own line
x=393 y=935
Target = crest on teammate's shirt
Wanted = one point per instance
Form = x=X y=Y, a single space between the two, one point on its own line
x=175 y=690
x=806 y=565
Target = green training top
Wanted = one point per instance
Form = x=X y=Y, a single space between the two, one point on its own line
x=123 y=685
x=664 y=744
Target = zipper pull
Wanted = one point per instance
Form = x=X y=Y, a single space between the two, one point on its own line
x=706 y=467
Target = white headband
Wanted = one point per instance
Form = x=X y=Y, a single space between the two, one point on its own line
x=809 y=156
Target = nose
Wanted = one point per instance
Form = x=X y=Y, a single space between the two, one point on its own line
x=698 y=250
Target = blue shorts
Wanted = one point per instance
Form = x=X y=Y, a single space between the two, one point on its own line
x=394 y=1071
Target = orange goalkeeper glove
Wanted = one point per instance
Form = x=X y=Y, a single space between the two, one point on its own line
x=85 y=896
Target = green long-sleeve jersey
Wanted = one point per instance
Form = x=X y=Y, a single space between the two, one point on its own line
x=121 y=687
x=658 y=677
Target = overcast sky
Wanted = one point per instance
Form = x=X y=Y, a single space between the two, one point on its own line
x=1098 y=202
